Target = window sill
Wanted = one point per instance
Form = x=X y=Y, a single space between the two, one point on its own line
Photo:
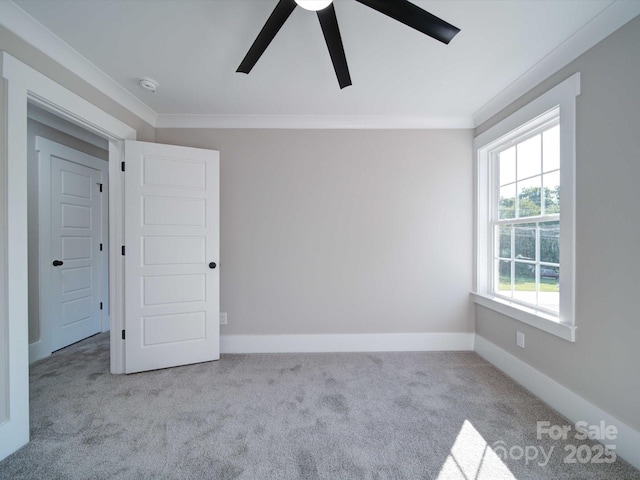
x=530 y=316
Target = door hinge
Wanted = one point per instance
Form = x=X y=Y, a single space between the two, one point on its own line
x=123 y=334
x=122 y=250
x=100 y=305
x=100 y=247
x=122 y=166
x=100 y=187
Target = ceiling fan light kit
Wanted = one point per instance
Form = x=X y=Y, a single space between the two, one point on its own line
x=313 y=5
x=401 y=10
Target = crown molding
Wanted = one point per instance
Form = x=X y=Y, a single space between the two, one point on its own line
x=329 y=122
x=604 y=24
x=33 y=32
x=16 y=20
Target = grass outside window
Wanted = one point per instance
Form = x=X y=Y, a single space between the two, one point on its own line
x=527 y=284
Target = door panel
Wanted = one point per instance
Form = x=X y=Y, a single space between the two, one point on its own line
x=172 y=249
x=174 y=211
x=171 y=236
x=162 y=290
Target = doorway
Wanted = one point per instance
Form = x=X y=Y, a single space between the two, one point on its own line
x=23 y=84
x=67 y=217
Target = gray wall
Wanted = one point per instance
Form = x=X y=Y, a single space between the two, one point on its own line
x=327 y=231
x=38 y=129
x=370 y=231
x=603 y=365
x=4 y=333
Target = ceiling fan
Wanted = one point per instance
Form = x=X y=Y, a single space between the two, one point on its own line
x=400 y=10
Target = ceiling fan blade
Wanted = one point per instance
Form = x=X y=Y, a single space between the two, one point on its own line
x=414 y=17
x=269 y=30
x=329 y=24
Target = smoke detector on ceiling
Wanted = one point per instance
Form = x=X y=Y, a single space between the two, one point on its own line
x=148 y=84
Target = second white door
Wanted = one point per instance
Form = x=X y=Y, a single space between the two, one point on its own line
x=72 y=259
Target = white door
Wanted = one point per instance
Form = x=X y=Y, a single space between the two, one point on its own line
x=71 y=243
x=171 y=254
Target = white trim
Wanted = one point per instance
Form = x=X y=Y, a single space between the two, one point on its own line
x=26 y=27
x=45 y=282
x=604 y=24
x=530 y=316
x=368 y=342
x=30 y=30
x=116 y=260
x=548 y=100
x=16 y=20
x=312 y=121
x=105 y=313
x=67 y=104
x=39 y=350
x=563 y=96
x=14 y=431
x=23 y=84
x=568 y=403
x=50 y=120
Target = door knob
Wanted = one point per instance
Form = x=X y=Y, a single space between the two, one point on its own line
x=212 y=265
x=57 y=263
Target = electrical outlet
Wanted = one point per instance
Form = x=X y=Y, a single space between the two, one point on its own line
x=223 y=318
x=520 y=339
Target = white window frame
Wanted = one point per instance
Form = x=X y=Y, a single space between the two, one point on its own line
x=562 y=96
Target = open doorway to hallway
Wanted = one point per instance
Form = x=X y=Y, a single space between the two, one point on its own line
x=68 y=233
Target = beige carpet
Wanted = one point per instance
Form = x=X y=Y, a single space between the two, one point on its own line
x=290 y=416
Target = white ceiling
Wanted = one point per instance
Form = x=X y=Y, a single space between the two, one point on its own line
x=193 y=47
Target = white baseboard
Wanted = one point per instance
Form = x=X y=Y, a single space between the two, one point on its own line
x=568 y=403
x=370 y=342
x=38 y=350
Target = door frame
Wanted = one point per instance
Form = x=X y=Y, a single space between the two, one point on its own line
x=23 y=84
x=43 y=347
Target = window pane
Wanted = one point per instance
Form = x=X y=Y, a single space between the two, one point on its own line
x=507 y=202
x=549 y=294
x=529 y=197
x=525 y=276
x=525 y=282
x=525 y=242
x=529 y=157
x=524 y=184
x=550 y=243
x=552 y=192
x=549 y=276
x=507 y=165
x=504 y=241
x=551 y=149
x=503 y=277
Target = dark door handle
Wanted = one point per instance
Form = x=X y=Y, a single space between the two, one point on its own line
x=57 y=263
x=212 y=265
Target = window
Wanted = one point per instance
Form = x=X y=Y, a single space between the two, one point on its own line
x=525 y=216
x=525 y=213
